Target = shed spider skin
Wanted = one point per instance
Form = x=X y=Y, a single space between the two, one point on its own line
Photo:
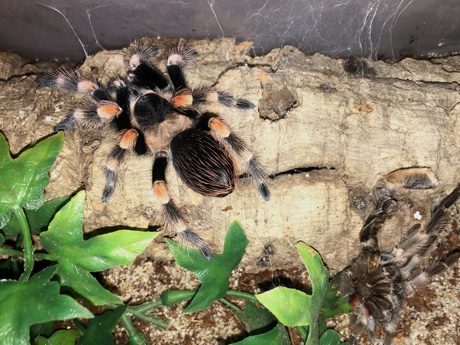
x=377 y=282
x=163 y=117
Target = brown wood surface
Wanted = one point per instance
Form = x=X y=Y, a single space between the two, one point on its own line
x=325 y=135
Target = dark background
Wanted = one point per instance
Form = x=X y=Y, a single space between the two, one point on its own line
x=388 y=29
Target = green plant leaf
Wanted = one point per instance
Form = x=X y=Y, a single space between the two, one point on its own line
x=38 y=219
x=23 y=179
x=213 y=274
x=99 y=330
x=32 y=302
x=60 y=337
x=295 y=308
x=335 y=304
x=330 y=337
x=277 y=336
x=44 y=330
x=290 y=306
x=256 y=319
x=77 y=257
x=82 y=282
x=317 y=271
x=320 y=287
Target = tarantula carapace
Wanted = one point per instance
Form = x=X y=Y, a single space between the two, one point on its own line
x=377 y=282
x=165 y=118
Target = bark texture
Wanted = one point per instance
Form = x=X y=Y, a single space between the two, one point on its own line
x=324 y=130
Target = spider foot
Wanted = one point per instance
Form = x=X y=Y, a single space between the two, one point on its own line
x=191 y=239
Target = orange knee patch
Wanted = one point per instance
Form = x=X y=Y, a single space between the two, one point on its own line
x=128 y=140
x=183 y=99
x=107 y=110
x=86 y=86
x=160 y=190
x=220 y=127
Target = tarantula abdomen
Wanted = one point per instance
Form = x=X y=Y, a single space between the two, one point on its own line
x=203 y=163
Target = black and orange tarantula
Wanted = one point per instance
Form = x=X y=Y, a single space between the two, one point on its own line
x=164 y=117
x=377 y=282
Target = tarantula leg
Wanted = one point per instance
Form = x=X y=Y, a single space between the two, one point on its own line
x=439 y=216
x=118 y=89
x=90 y=114
x=388 y=338
x=228 y=100
x=117 y=160
x=436 y=268
x=178 y=57
x=217 y=125
x=139 y=52
x=142 y=73
x=368 y=237
x=174 y=220
x=68 y=123
x=71 y=80
x=187 y=99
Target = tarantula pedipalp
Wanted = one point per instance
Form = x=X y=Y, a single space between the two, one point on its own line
x=165 y=118
x=377 y=282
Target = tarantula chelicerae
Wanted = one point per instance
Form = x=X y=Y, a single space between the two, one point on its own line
x=377 y=282
x=164 y=117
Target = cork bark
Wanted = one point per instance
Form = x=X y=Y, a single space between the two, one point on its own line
x=324 y=130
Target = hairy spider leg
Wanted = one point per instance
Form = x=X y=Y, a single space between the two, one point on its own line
x=118 y=88
x=93 y=113
x=217 y=125
x=140 y=51
x=417 y=242
x=421 y=278
x=174 y=220
x=187 y=99
x=196 y=99
x=368 y=237
x=142 y=73
x=179 y=56
x=148 y=76
x=90 y=114
x=117 y=159
x=72 y=81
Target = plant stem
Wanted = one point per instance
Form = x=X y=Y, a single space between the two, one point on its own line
x=28 y=247
x=153 y=320
x=19 y=253
x=142 y=308
x=138 y=312
x=302 y=332
x=230 y=304
x=128 y=324
x=242 y=294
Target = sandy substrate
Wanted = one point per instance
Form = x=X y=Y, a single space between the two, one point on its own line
x=431 y=316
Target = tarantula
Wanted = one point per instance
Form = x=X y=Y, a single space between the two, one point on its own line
x=377 y=282
x=165 y=118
